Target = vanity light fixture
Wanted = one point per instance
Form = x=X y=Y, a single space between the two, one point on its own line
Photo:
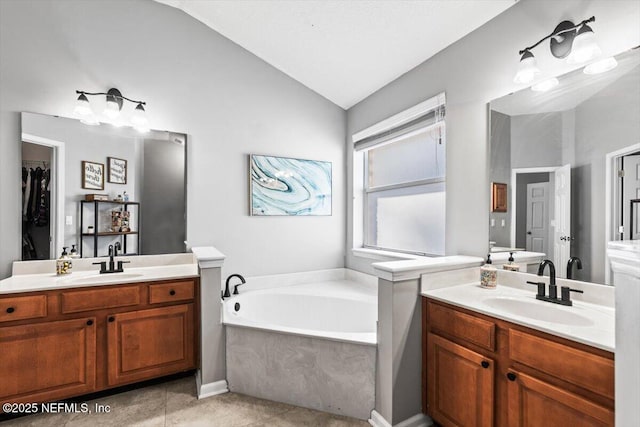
x=576 y=42
x=115 y=101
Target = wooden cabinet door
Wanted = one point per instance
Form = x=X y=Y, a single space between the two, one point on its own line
x=150 y=343
x=46 y=361
x=532 y=403
x=460 y=385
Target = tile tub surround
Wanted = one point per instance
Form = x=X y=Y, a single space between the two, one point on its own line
x=174 y=403
x=305 y=338
x=335 y=377
x=461 y=288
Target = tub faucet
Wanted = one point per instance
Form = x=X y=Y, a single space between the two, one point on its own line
x=572 y=260
x=226 y=293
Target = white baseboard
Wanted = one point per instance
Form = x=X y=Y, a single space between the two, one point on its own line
x=211 y=389
x=418 y=420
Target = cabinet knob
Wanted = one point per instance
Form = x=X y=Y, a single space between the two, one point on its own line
x=111 y=319
x=172 y=292
x=89 y=322
x=511 y=376
x=10 y=310
x=485 y=364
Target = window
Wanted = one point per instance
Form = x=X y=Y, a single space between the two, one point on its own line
x=403 y=190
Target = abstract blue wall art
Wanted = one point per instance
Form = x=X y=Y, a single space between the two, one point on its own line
x=285 y=186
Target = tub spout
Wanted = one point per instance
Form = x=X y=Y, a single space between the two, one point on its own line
x=226 y=293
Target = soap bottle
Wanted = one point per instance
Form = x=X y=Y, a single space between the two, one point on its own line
x=488 y=275
x=511 y=265
x=63 y=264
x=73 y=254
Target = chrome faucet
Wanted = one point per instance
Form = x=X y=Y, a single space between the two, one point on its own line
x=573 y=260
x=113 y=252
x=565 y=298
x=226 y=293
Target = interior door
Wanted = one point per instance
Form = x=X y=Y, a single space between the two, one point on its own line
x=562 y=219
x=630 y=191
x=538 y=217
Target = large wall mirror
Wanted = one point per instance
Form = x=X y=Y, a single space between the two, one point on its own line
x=570 y=159
x=139 y=178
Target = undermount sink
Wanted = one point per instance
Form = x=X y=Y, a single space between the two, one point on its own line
x=538 y=310
x=103 y=278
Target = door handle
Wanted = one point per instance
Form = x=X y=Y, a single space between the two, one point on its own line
x=528 y=232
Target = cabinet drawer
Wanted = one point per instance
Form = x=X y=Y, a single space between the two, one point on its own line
x=19 y=308
x=584 y=369
x=169 y=292
x=97 y=299
x=461 y=325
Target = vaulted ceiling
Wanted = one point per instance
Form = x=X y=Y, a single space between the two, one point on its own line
x=344 y=50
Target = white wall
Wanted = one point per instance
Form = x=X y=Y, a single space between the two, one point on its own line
x=473 y=71
x=229 y=102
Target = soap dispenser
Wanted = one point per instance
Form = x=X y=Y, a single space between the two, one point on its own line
x=64 y=263
x=511 y=265
x=73 y=254
x=488 y=275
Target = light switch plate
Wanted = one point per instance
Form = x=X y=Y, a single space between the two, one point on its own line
x=68 y=220
x=493 y=222
x=503 y=222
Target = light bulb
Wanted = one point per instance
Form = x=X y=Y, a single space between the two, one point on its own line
x=601 y=66
x=83 y=108
x=112 y=109
x=527 y=69
x=584 y=47
x=545 y=85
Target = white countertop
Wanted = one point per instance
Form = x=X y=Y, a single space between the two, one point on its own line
x=77 y=279
x=600 y=334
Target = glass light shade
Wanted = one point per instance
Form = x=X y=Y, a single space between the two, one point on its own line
x=527 y=70
x=584 y=47
x=601 y=66
x=83 y=108
x=139 y=117
x=112 y=110
x=545 y=85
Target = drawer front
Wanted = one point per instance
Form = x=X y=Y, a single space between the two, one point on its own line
x=461 y=325
x=20 y=308
x=169 y=292
x=584 y=369
x=97 y=299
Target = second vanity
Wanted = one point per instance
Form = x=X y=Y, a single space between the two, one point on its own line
x=502 y=358
x=65 y=336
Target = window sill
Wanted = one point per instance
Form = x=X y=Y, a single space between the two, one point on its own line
x=382 y=255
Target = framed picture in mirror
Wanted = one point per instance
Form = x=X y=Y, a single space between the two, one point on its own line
x=498 y=197
x=116 y=170
x=92 y=175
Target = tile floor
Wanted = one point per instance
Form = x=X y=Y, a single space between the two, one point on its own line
x=174 y=403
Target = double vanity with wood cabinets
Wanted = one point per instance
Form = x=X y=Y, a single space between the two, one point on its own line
x=68 y=336
x=502 y=358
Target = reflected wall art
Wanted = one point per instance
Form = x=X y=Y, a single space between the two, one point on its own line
x=285 y=186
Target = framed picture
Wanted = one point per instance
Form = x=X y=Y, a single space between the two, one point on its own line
x=498 y=197
x=116 y=170
x=92 y=175
x=291 y=187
